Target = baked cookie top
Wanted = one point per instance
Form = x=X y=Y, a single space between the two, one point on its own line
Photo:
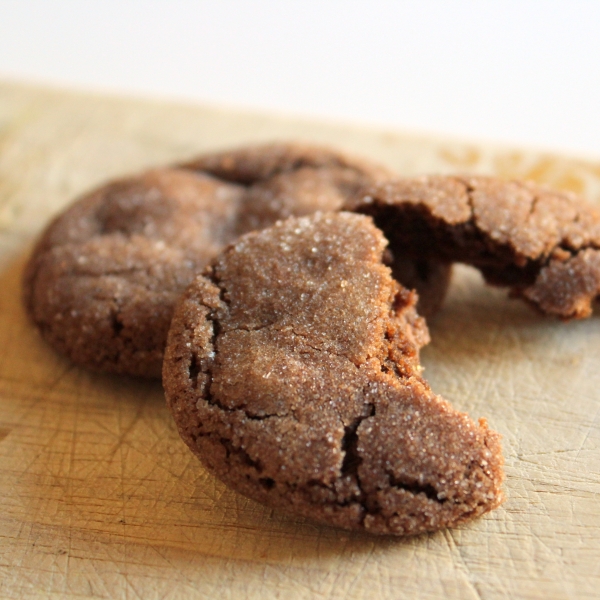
x=544 y=245
x=104 y=277
x=292 y=371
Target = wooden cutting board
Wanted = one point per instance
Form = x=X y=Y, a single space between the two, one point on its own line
x=101 y=499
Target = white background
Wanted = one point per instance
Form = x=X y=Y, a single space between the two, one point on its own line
x=524 y=72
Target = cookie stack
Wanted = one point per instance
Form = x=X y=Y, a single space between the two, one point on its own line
x=260 y=283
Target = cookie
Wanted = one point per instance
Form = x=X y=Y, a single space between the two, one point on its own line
x=292 y=371
x=543 y=245
x=104 y=277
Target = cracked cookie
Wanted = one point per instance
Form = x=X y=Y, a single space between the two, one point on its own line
x=103 y=279
x=543 y=245
x=292 y=371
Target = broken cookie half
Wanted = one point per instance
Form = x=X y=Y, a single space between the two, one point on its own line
x=292 y=371
x=543 y=245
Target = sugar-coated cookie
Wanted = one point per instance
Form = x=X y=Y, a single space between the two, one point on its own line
x=292 y=371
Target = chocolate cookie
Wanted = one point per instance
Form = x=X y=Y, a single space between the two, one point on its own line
x=103 y=279
x=292 y=371
x=544 y=245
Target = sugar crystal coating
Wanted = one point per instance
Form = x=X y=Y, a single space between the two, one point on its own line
x=292 y=371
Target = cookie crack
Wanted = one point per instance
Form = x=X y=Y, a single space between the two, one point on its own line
x=481 y=237
x=115 y=321
x=534 y=202
x=532 y=264
x=573 y=252
x=414 y=487
x=349 y=444
x=198 y=366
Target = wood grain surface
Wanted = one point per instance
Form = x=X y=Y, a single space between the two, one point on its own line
x=101 y=499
